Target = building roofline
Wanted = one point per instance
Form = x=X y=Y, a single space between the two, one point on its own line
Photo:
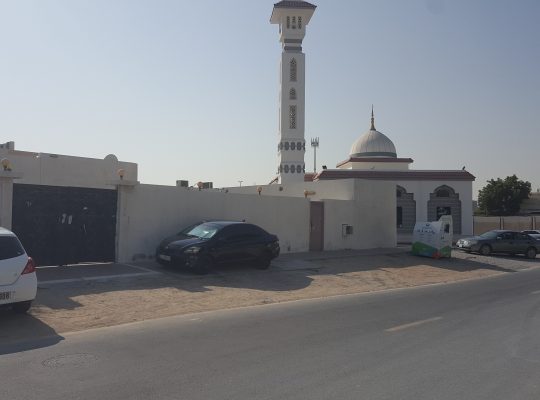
x=376 y=159
x=295 y=4
x=409 y=175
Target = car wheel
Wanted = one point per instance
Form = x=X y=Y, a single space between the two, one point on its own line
x=485 y=250
x=202 y=265
x=263 y=262
x=531 y=252
x=22 y=307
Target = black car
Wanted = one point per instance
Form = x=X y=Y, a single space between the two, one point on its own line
x=501 y=241
x=214 y=242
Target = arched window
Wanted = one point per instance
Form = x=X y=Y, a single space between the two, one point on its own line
x=444 y=191
x=292 y=94
x=293 y=70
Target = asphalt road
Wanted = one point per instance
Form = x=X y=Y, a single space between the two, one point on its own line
x=472 y=340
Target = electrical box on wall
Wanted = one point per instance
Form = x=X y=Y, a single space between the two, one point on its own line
x=346 y=230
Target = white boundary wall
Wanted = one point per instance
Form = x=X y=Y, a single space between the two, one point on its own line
x=61 y=170
x=149 y=213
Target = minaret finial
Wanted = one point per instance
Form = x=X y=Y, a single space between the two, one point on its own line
x=372 y=119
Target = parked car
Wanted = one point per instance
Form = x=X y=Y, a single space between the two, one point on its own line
x=18 y=282
x=215 y=242
x=501 y=241
x=533 y=233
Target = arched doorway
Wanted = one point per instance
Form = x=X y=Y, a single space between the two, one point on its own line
x=445 y=201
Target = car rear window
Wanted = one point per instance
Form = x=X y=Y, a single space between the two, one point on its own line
x=10 y=247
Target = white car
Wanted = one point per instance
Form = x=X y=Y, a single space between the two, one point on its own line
x=18 y=281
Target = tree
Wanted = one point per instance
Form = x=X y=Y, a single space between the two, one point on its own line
x=503 y=197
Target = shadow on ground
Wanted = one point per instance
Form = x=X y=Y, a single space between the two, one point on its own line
x=22 y=332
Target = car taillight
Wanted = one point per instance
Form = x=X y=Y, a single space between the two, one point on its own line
x=30 y=267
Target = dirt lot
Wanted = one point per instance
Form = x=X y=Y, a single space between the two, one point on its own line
x=78 y=298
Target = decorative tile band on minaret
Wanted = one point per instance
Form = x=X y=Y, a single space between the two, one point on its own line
x=292 y=18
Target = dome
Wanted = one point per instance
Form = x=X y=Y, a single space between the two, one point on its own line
x=373 y=144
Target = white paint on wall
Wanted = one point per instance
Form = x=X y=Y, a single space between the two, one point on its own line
x=6 y=200
x=337 y=189
x=62 y=170
x=149 y=213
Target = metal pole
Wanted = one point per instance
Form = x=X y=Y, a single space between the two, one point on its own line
x=315 y=144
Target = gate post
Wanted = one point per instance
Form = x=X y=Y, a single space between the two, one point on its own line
x=124 y=189
x=6 y=197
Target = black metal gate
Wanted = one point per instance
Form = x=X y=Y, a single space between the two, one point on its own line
x=65 y=225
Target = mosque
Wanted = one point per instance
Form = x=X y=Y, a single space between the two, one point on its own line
x=421 y=195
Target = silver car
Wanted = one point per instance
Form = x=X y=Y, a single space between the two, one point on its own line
x=501 y=241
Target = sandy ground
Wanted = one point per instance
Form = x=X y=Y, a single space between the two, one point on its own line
x=90 y=304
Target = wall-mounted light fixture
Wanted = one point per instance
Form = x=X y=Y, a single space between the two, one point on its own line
x=6 y=164
x=309 y=193
x=259 y=190
x=121 y=173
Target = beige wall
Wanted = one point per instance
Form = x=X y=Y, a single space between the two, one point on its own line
x=337 y=189
x=6 y=199
x=149 y=213
x=61 y=170
x=484 y=224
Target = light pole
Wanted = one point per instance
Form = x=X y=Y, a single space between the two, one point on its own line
x=315 y=144
x=240 y=182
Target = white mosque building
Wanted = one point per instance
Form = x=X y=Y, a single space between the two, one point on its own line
x=421 y=195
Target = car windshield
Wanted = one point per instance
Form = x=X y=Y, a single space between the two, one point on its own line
x=186 y=231
x=489 y=235
x=203 y=231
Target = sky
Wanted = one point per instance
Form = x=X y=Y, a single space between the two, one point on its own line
x=189 y=89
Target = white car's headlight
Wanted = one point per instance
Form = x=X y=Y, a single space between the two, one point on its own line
x=192 y=250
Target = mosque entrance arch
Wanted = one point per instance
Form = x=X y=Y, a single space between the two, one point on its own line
x=445 y=201
x=406 y=210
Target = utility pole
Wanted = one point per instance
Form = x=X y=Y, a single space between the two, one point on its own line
x=315 y=144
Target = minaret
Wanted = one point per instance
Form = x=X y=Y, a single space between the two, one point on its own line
x=292 y=17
